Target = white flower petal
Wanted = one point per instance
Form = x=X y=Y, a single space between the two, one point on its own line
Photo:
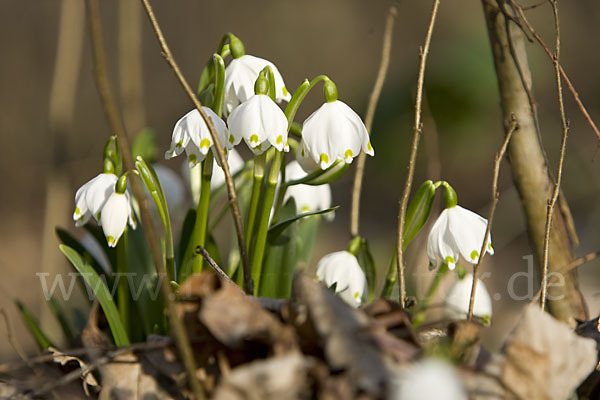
x=459 y=295
x=115 y=214
x=98 y=191
x=428 y=379
x=307 y=197
x=260 y=122
x=342 y=268
x=240 y=76
x=332 y=132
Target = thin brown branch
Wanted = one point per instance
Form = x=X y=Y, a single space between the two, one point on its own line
x=564 y=75
x=232 y=196
x=373 y=98
x=209 y=260
x=514 y=125
x=417 y=129
x=116 y=125
x=563 y=145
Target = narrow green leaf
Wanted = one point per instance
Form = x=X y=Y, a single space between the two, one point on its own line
x=366 y=261
x=184 y=239
x=278 y=228
x=34 y=328
x=418 y=211
x=102 y=294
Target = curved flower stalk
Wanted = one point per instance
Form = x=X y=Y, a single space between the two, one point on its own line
x=332 y=132
x=457 y=232
x=261 y=123
x=192 y=135
x=91 y=197
x=342 y=271
x=240 y=75
x=457 y=300
x=307 y=197
x=428 y=379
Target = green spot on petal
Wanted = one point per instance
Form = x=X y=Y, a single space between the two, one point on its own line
x=192 y=158
x=324 y=158
x=254 y=138
x=474 y=255
x=279 y=139
x=285 y=91
x=348 y=154
x=369 y=147
x=205 y=143
x=179 y=144
x=449 y=260
x=77 y=210
x=231 y=139
x=357 y=295
x=110 y=239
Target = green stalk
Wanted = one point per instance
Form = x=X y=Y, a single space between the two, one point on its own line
x=259 y=174
x=123 y=285
x=263 y=226
x=199 y=233
x=435 y=283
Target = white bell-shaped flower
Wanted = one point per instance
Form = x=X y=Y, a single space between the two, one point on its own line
x=192 y=135
x=90 y=198
x=456 y=232
x=260 y=122
x=459 y=295
x=116 y=212
x=334 y=131
x=342 y=269
x=428 y=379
x=240 y=76
x=307 y=197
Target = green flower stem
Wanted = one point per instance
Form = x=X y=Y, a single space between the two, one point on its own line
x=259 y=174
x=263 y=225
x=219 y=65
x=433 y=287
x=199 y=232
x=123 y=285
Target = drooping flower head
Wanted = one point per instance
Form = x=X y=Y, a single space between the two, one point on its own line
x=240 y=75
x=91 y=197
x=260 y=122
x=117 y=211
x=307 y=197
x=457 y=232
x=342 y=270
x=192 y=135
x=459 y=295
x=332 y=132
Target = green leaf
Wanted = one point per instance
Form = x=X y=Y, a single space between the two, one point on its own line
x=278 y=228
x=67 y=239
x=418 y=211
x=34 y=328
x=320 y=177
x=280 y=257
x=102 y=294
x=184 y=239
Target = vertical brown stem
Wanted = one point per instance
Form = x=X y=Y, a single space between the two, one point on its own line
x=526 y=156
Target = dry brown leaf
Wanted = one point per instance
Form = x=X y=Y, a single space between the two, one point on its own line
x=345 y=336
x=276 y=378
x=86 y=375
x=545 y=359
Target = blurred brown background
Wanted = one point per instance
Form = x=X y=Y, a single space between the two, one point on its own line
x=48 y=152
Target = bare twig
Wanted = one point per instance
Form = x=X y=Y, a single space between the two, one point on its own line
x=233 y=202
x=417 y=129
x=563 y=145
x=514 y=125
x=116 y=125
x=547 y=50
x=373 y=98
x=209 y=260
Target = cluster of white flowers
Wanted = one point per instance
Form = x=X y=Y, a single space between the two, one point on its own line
x=98 y=198
x=332 y=132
